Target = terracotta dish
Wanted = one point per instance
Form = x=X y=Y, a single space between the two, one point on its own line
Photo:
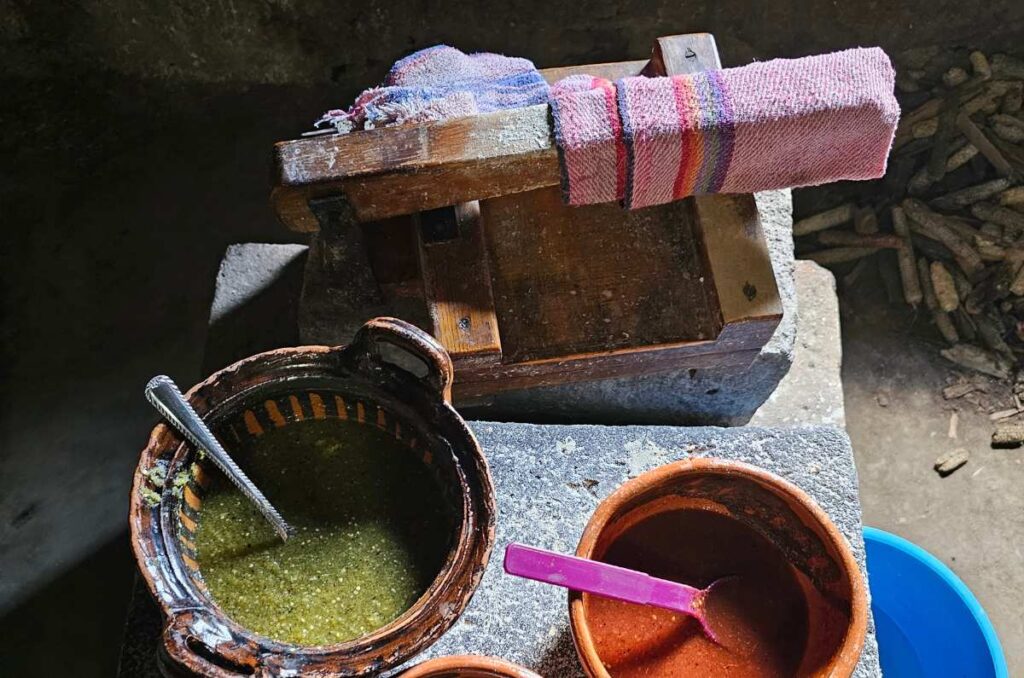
x=828 y=586
x=277 y=389
x=468 y=666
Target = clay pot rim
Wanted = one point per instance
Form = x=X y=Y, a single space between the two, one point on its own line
x=846 y=657
x=455 y=664
x=447 y=574
x=456 y=572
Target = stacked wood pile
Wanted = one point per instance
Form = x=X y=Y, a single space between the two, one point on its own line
x=947 y=227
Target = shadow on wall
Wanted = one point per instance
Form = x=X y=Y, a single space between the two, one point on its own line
x=352 y=44
x=80 y=613
x=123 y=200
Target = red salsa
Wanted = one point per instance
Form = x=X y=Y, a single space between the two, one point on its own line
x=760 y=617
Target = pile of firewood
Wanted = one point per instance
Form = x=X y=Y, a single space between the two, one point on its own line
x=946 y=227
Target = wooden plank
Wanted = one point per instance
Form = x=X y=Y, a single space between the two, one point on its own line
x=416 y=191
x=578 y=280
x=689 y=53
x=401 y=170
x=457 y=285
x=608 y=71
x=411 y=168
x=575 y=281
x=422 y=167
x=459 y=297
x=514 y=134
x=734 y=242
x=738 y=256
x=292 y=206
x=558 y=285
x=475 y=381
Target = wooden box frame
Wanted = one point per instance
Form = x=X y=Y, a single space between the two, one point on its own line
x=462 y=221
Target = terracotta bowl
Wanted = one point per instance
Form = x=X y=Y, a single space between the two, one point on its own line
x=280 y=388
x=468 y=666
x=779 y=510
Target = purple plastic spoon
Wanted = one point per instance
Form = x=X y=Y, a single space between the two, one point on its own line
x=609 y=581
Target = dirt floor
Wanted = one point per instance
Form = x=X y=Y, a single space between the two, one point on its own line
x=899 y=422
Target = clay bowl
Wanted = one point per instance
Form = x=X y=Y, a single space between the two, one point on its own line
x=468 y=666
x=779 y=511
x=279 y=388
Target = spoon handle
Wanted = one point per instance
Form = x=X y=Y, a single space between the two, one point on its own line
x=591 y=576
x=164 y=395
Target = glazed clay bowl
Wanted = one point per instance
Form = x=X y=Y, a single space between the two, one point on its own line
x=771 y=506
x=468 y=666
x=280 y=388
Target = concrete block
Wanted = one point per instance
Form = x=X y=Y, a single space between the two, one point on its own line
x=542 y=500
x=812 y=390
x=254 y=304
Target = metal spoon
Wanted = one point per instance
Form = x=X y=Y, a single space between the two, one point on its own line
x=164 y=395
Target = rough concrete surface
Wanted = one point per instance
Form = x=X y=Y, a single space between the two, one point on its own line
x=812 y=390
x=254 y=302
x=247 y=271
x=542 y=501
x=352 y=44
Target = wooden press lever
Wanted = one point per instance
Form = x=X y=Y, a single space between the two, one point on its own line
x=392 y=171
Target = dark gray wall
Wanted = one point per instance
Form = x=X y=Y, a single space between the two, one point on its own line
x=351 y=43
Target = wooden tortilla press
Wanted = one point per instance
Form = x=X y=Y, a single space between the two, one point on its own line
x=459 y=227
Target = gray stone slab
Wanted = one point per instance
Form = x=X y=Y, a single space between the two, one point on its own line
x=542 y=500
x=538 y=473
x=254 y=304
x=812 y=390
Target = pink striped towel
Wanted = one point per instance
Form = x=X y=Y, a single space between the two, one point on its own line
x=781 y=123
x=588 y=134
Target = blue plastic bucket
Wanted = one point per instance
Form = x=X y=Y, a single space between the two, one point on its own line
x=927 y=621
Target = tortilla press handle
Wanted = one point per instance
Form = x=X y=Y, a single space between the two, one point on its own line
x=408 y=337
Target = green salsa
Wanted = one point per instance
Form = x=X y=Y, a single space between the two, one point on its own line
x=373 y=530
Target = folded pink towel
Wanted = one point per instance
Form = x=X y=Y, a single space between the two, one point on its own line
x=679 y=134
x=781 y=123
x=589 y=138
